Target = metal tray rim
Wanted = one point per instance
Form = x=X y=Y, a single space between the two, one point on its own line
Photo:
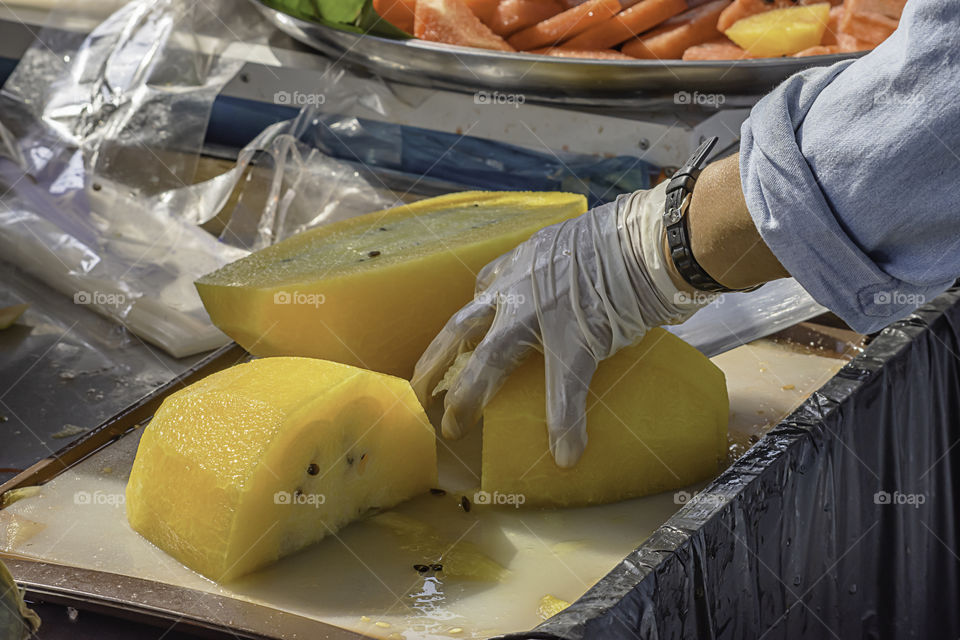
x=386 y=55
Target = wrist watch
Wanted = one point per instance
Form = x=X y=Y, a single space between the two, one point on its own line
x=679 y=193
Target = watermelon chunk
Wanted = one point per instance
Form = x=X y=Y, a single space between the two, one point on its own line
x=861 y=22
x=596 y=54
x=833 y=26
x=399 y=13
x=566 y=25
x=719 y=49
x=510 y=16
x=678 y=34
x=889 y=8
x=452 y=22
x=483 y=9
x=637 y=19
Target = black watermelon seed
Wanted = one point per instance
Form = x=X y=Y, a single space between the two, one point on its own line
x=438 y=492
x=313 y=469
x=465 y=504
x=373 y=254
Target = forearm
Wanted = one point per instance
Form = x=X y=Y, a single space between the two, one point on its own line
x=724 y=239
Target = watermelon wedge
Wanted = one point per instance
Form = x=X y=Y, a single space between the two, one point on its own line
x=483 y=9
x=511 y=16
x=399 y=13
x=452 y=22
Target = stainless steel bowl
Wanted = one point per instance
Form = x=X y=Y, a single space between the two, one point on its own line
x=568 y=80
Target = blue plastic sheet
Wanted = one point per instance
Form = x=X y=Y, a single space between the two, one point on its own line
x=479 y=163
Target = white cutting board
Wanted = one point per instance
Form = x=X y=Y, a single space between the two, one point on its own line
x=361 y=577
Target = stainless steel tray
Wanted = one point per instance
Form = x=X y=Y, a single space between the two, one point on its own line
x=569 y=80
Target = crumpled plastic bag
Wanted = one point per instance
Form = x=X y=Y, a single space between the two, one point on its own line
x=100 y=136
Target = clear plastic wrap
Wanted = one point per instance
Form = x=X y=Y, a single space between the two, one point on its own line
x=101 y=137
x=734 y=319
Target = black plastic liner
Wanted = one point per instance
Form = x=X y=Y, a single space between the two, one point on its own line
x=841 y=522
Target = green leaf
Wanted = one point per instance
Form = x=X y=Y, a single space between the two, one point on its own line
x=339 y=11
x=355 y=16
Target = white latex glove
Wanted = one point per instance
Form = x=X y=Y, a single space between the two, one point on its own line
x=577 y=291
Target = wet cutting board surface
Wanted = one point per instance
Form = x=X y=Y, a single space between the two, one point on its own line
x=363 y=577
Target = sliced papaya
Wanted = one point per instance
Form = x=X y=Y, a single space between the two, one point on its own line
x=676 y=35
x=399 y=13
x=641 y=17
x=510 y=16
x=719 y=49
x=866 y=25
x=564 y=26
x=452 y=22
x=596 y=54
x=483 y=9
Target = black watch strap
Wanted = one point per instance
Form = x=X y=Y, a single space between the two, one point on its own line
x=679 y=192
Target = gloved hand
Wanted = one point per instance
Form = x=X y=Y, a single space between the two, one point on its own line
x=577 y=291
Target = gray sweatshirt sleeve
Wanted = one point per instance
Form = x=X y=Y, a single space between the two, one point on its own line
x=851 y=173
